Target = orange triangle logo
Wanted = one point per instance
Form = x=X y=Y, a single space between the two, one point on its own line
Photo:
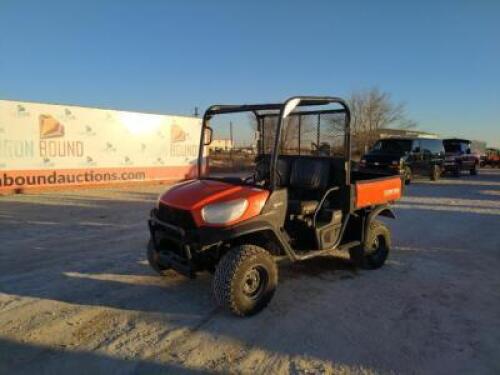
x=50 y=127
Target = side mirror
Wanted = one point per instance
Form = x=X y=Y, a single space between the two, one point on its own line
x=208 y=136
x=416 y=149
x=467 y=151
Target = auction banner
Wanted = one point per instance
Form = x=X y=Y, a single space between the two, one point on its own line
x=44 y=145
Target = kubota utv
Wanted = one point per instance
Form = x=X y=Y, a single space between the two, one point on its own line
x=297 y=203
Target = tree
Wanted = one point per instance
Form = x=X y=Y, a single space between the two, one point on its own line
x=372 y=110
x=289 y=133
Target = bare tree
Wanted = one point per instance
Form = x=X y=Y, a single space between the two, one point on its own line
x=372 y=110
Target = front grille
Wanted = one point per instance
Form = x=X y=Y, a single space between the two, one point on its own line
x=175 y=216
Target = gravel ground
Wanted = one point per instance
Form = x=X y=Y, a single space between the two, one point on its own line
x=76 y=294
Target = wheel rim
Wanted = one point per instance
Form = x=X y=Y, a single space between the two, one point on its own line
x=407 y=174
x=254 y=282
x=377 y=251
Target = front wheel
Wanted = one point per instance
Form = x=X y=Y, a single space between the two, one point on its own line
x=435 y=173
x=374 y=252
x=245 y=280
x=407 y=174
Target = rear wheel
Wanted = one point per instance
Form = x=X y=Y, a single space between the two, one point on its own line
x=154 y=259
x=407 y=174
x=435 y=173
x=245 y=280
x=374 y=252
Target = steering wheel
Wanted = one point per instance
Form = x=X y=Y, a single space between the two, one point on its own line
x=261 y=170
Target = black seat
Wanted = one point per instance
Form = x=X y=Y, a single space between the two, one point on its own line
x=282 y=169
x=308 y=182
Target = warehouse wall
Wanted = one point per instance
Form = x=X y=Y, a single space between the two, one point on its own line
x=45 y=145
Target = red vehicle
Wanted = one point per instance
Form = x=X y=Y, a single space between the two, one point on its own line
x=492 y=157
x=296 y=203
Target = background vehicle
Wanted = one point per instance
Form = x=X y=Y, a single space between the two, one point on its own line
x=492 y=157
x=459 y=156
x=405 y=156
x=293 y=203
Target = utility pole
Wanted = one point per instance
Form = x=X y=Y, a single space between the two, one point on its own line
x=231 y=132
x=231 y=144
x=195 y=112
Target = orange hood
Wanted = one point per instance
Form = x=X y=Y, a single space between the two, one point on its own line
x=195 y=194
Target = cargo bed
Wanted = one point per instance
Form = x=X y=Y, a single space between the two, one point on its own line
x=373 y=189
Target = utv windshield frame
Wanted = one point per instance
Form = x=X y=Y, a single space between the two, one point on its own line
x=282 y=110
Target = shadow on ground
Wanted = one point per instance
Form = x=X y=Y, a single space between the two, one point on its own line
x=19 y=358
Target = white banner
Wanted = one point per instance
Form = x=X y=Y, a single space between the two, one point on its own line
x=44 y=137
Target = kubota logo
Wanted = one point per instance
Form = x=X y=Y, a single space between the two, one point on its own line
x=50 y=127
x=177 y=134
x=391 y=192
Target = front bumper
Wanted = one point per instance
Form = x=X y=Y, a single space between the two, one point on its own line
x=187 y=250
x=173 y=246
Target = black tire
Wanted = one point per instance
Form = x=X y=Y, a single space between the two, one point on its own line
x=408 y=175
x=153 y=259
x=374 y=252
x=245 y=280
x=435 y=173
x=474 y=171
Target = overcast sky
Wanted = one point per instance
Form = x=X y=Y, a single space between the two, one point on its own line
x=442 y=58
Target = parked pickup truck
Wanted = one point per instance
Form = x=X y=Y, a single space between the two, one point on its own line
x=459 y=157
x=408 y=157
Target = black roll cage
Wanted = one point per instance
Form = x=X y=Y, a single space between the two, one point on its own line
x=280 y=108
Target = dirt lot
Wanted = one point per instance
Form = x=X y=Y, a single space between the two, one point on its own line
x=76 y=295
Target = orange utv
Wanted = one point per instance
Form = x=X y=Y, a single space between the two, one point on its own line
x=299 y=200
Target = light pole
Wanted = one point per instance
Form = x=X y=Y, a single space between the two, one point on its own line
x=231 y=140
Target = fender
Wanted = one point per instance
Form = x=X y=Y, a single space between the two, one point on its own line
x=210 y=235
x=383 y=210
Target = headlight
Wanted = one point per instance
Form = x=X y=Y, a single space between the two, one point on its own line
x=221 y=213
x=396 y=162
x=362 y=162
